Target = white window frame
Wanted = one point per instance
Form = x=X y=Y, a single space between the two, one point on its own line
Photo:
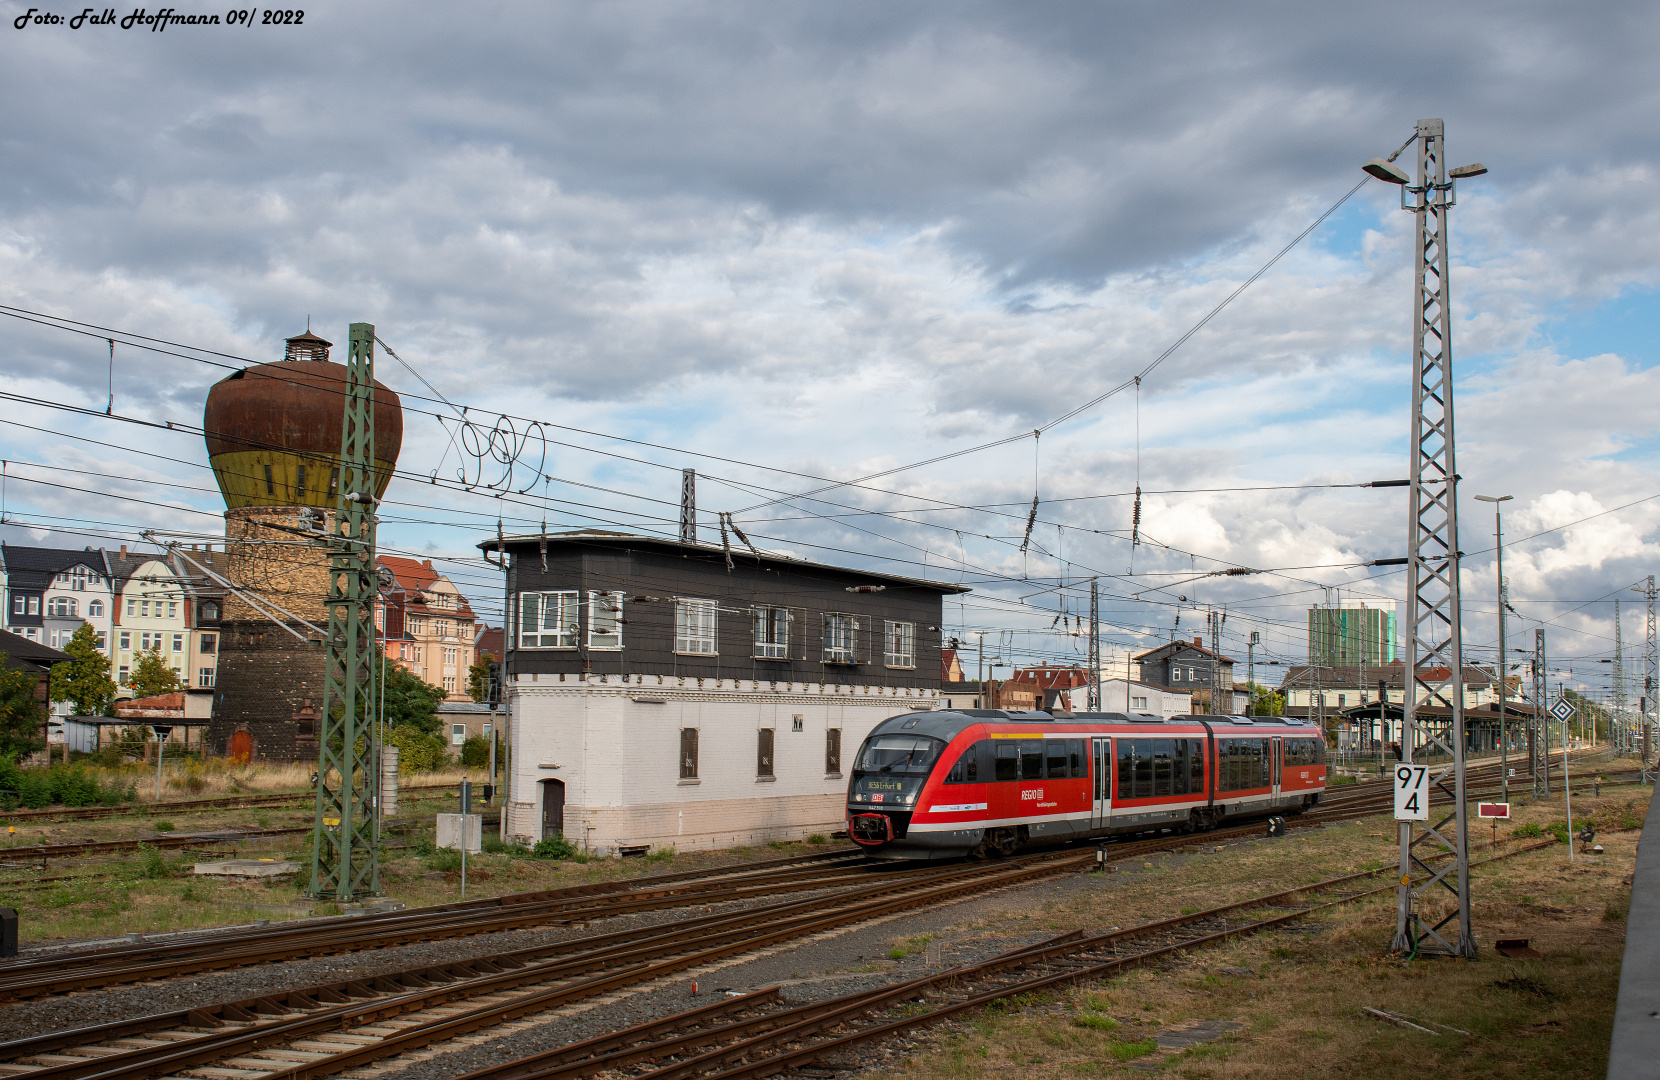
x=204 y=678
x=605 y=616
x=178 y=643
x=771 y=627
x=841 y=638
x=696 y=627
x=95 y=609
x=899 y=646
x=562 y=605
x=458 y=734
x=127 y=640
x=1138 y=703
x=34 y=605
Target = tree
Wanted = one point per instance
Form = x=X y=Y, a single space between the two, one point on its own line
x=1265 y=702
x=22 y=718
x=152 y=676
x=84 y=680
x=410 y=700
x=478 y=677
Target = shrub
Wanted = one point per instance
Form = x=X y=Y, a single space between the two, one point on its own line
x=151 y=864
x=495 y=845
x=162 y=826
x=1096 y=1023
x=35 y=790
x=445 y=859
x=475 y=752
x=1530 y=831
x=554 y=847
x=417 y=751
x=817 y=838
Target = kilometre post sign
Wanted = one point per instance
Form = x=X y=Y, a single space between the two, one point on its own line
x=1411 y=793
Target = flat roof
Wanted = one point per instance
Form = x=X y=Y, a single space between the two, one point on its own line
x=765 y=558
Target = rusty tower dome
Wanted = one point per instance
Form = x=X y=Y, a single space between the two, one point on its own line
x=273 y=430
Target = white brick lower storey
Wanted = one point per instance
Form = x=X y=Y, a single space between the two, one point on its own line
x=614 y=743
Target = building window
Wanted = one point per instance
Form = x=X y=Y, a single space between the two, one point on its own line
x=449 y=683
x=61 y=606
x=18 y=604
x=95 y=609
x=126 y=675
x=797 y=722
x=688 y=753
x=1138 y=703
x=34 y=605
x=32 y=633
x=1175 y=674
x=458 y=734
x=210 y=612
x=763 y=752
x=1342 y=700
x=901 y=644
x=839 y=638
x=546 y=621
x=449 y=657
x=172 y=609
x=833 y=752
x=126 y=639
x=132 y=607
x=605 y=620
x=178 y=643
x=416 y=649
x=103 y=640
x=204 y=677
x=209 y=644
x=772 y=633
x=144 y=607
x=694 y=628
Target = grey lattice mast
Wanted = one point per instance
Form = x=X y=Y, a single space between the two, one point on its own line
x=688 y=506
x=1540 y=742
x=1651 y=679
x=1622 y=726
x=345 y=861
x=1095 y=645
x=1221 y=694
x=1434 y=638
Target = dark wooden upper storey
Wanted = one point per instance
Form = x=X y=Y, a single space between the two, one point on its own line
x=612 y=603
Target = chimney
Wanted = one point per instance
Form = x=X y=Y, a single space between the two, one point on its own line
x=123 y=551
x=1200 y=642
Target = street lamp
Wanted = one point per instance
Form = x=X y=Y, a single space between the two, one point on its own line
x=1504 y=687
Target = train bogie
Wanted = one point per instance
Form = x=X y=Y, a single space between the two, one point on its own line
x=986 y=783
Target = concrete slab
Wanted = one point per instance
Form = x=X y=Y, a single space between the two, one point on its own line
x=246 y=868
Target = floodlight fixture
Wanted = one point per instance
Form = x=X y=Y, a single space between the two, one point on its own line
x=1387 y=171
x=1464 y=172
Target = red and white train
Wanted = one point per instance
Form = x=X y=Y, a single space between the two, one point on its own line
x=988 y=782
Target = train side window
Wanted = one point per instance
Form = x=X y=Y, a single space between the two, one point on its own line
x=1179 y=777
x=1163 y=769
x=1263 y=760
x=1196 y=766
x=1031 y=761
x=1075 y=752
x=1143 y=768
x=967 y=768
x=1319 y=751
x=1008 y=761
x=1227 y=761
x=1126 y=768
x=1055 y=761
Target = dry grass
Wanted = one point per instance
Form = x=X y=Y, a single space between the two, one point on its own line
x=1298 y=995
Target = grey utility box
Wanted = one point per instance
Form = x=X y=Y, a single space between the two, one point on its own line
x=465 y=831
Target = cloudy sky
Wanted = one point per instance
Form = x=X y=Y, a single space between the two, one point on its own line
x=778 y=242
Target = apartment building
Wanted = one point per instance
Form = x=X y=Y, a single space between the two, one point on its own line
x=429 y=627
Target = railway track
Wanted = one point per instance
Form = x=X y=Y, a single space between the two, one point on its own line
x=187 y=806
x=305 y=1034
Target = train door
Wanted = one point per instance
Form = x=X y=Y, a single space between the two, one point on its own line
x=1277 y=763
x=1101 y=752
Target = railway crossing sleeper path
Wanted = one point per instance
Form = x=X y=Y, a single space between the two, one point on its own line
x=306 y=1035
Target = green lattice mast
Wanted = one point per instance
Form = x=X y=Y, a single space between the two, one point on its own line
x=345 y=860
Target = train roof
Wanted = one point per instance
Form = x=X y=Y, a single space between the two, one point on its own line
x=948 y=723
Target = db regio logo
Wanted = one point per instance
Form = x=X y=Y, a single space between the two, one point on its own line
x=1027 y=794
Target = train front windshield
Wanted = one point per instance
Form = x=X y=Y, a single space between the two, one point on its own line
x=891 y=769
x=899 y=755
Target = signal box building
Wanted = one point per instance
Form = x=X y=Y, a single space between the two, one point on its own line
x=667 y=693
